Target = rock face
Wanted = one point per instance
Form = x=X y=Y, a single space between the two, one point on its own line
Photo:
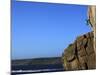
x=92 y=20
x=81 y=54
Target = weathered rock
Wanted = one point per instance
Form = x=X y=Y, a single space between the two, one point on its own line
x=81 y=54
x=91 y=14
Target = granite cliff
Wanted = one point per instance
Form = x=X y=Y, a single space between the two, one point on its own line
x=91 y=14
x=80 y=55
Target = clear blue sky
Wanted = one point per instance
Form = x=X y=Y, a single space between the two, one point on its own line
x=45 y=30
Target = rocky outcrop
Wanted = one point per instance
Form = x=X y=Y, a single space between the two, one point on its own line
x=92 y=20
x=80 y=55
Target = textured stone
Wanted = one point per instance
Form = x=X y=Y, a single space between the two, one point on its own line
x=85 y=41
x=92 y=21
x=91 y=61
x=80 y=55
x=82 y=52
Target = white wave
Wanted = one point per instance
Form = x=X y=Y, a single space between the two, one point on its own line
x=23 y=71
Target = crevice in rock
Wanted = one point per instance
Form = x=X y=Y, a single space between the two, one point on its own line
x=85 y=46
x=86 y=66
x=84 y=36
x=71 y=59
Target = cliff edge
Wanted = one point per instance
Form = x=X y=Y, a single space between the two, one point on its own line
x=81 y=54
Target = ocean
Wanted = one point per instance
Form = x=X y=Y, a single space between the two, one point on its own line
x=28 y=69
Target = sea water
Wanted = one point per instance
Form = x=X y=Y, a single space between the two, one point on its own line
x=27 y=69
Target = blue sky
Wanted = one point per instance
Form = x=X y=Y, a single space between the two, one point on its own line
x=45 y=29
